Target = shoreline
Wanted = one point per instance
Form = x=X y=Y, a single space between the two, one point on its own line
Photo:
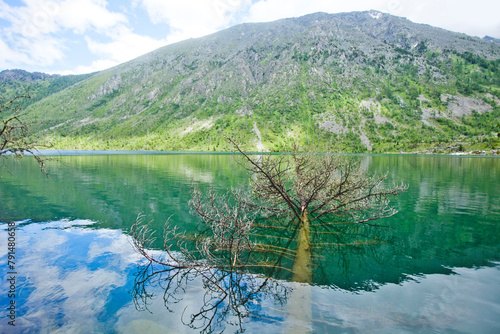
x=72 y=152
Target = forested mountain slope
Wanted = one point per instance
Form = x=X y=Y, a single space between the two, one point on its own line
x=366 y=81
x=38 y=85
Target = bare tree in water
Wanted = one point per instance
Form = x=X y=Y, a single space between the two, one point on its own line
x=264 y=230
x=324 y=189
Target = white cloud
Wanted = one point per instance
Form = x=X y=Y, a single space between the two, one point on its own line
x=40 y=51
x=194 y=18
x=82 y=15
x=37 y=18
x=96 y=65
x=27 y=41
x=30 y=20
x=38 y=34
x=478 y=19
x=9 y=56
x=125 y=44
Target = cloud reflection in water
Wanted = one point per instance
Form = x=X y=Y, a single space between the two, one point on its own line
x=73 y=278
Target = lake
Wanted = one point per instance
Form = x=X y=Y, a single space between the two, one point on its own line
x=433 y=268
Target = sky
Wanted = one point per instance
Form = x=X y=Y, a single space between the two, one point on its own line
x=83 y=36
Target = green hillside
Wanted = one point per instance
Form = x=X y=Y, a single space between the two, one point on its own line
x=366 y=81
x=37 y=85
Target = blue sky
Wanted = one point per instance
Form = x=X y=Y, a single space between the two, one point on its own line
x=81 y=36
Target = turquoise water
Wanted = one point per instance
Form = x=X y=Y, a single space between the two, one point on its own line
x=436 y=268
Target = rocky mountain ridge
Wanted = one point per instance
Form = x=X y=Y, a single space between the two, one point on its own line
x=24 y=76
x=367 y=81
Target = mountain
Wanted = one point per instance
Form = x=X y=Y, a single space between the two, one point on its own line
x=491 y=39
x=365 y=81
x=23 y=76
x=38 y=85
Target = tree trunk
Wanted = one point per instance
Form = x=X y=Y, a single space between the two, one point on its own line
x=299 y=304
x=302 y=271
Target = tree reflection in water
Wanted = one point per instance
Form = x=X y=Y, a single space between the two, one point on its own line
x=231 y=292
x=239 y=270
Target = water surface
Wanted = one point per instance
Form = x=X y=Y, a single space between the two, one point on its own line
x=435 y=267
